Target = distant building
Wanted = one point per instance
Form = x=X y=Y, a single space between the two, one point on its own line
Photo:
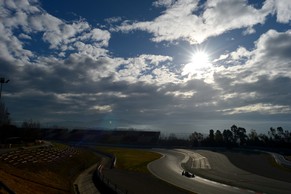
x=128 y=137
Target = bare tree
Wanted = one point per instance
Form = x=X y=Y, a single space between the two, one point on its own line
x=196 y=138
x=4 y=115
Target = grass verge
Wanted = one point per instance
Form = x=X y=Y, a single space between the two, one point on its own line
x=131 y=159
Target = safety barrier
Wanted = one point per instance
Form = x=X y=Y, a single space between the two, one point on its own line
x=105 y=185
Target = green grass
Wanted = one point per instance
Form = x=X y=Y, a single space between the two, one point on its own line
x=131 y=159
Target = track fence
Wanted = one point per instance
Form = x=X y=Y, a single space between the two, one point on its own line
x=105 y=185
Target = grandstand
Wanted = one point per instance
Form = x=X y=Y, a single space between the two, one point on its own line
x=41 y=155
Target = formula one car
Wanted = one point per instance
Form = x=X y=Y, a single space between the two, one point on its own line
x=188 y=174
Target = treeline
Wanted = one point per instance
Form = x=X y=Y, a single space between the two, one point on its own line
x=237 y=137
x=234 y=137
x=28 y=132
x=230 y=138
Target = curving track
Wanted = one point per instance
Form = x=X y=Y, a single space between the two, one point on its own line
x=168 y=168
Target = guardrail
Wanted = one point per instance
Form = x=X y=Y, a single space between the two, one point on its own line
x=105 y=185
x=102 y=183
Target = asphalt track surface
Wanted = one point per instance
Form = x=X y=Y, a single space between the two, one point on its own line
x=215 y=166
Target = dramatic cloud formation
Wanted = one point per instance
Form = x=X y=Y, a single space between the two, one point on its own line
x=187 y=20
x=74 y=73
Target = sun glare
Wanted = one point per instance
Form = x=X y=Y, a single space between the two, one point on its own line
x=199 y=61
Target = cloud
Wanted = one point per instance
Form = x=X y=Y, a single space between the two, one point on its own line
x=269 y=57
x=147 y=68
x=274 y=46
x=102 y=108
x=78 y=82
x=24 y=36
x=261 y=80
x=163 y=3
x=283 y=10
x=261 y=108
x=189 y=21
x=176 y=22
x=61 y=36
x=80 y=85
x=221 y=16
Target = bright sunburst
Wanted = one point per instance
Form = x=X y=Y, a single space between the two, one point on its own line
x=199 y=61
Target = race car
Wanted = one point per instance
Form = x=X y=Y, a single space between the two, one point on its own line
x=188 y=174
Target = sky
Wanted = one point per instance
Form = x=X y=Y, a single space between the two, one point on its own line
x=176 y=66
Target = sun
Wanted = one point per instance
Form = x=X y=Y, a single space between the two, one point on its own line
x=199 y=62
x=200 y=59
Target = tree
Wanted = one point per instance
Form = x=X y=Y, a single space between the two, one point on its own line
x=210 y=139
x=211 y=135
x=228 y=137
x=253 y=135
x=196 y=138
x=4 y=115
x=218 y=138
x=234 y=131
x=30 y=124
x=172 y=137
x=280 y=134
x=264 y=139
x=287 y=137
x=272 y=133
x=241 y=133
x=31 y=130
x=254 y=138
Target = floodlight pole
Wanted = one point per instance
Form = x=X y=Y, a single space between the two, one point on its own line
x=2 y=81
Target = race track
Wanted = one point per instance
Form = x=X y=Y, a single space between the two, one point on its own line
x=168 y=168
